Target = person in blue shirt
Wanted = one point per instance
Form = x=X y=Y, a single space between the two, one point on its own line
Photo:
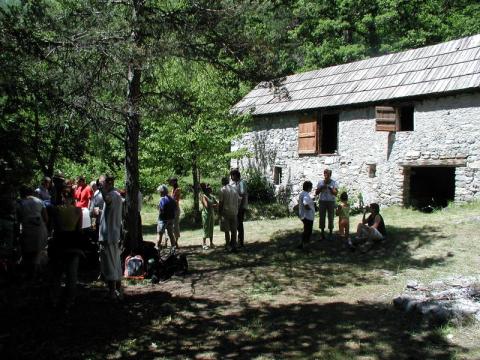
x=166 y=216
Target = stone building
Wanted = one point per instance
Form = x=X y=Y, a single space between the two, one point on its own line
x=402 y=128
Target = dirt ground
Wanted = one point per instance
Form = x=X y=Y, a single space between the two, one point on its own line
x=199 y=317
x=269 y=301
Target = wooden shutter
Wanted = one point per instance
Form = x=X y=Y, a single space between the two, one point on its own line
x=387 y=117
x=308 y=135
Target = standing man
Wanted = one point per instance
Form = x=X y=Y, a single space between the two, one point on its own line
x=109 y=236
x=327 y=189
x=176 y=194
x=83 y=193
x=241 y=186
x=43 y=191
x=228 y=201
x=166 y=217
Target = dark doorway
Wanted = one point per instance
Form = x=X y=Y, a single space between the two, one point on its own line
x=432 y=187
x=329 y=140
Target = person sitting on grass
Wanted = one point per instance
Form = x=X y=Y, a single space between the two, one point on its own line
x=343 y=213
x=306 y=212
x=166 y=217
x=371 y=229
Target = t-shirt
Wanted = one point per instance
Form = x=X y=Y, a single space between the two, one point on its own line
x=29 y=212
x=229 y=199
x=325 y=194
x=241 y=188
x=344 y=212
x=85 y=195
x=381 y=227
x=305 y=199
x=167 y=206
x=43 y=193
x=78 y=193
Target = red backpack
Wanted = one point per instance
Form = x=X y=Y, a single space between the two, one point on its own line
x=134 y=267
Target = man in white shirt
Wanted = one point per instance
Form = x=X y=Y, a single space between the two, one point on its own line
x=306 y=212
x=228 y=201
x=327 y=189
x=241 y=187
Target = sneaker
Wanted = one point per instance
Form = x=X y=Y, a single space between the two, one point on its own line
x=205 y=247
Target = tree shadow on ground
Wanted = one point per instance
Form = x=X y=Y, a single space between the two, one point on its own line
x=155 y=325
x=185 y=224
x=327 y=264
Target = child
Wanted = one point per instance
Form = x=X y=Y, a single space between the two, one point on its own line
x=306 y=212
x=343 y=213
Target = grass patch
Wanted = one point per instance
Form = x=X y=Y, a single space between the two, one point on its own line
x=270 y=300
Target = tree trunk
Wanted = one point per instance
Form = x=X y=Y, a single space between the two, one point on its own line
x=131 y=157
x=196 y=191
x=132 y=134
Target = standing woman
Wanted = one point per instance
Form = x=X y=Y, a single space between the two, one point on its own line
x=327 y=189
x=176 y=195
x=66 y=248
x=209 y=203
x=32 y=217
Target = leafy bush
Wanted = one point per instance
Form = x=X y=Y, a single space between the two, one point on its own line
x=355 y=201
x=270 y=210
x=259 y=188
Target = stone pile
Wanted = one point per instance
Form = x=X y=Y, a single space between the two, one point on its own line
x=455 y=299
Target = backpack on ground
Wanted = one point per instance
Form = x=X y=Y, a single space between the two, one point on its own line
x=134 y=267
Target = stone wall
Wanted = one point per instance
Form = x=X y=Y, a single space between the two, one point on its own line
x=446 y=133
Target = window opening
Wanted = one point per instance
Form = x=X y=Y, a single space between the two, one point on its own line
x=329 y=130
x=406 y=118
x=277 y=175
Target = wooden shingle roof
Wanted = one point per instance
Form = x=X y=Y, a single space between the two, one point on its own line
x=447 y=67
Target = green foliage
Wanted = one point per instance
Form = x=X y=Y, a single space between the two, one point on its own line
x=267 y=210
x=353 y=200
x=335 y=32
x=259 y=188
x=196 y=126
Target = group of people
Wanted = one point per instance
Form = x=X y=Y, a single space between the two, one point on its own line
x=58 y=211
x=64 y=214
x=371 y=229
x=231 y=204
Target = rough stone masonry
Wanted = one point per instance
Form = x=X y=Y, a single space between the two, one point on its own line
x=446 y=133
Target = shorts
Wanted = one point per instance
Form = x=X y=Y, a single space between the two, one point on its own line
x=228 y=223
x=371 y=233
x=163 y=225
